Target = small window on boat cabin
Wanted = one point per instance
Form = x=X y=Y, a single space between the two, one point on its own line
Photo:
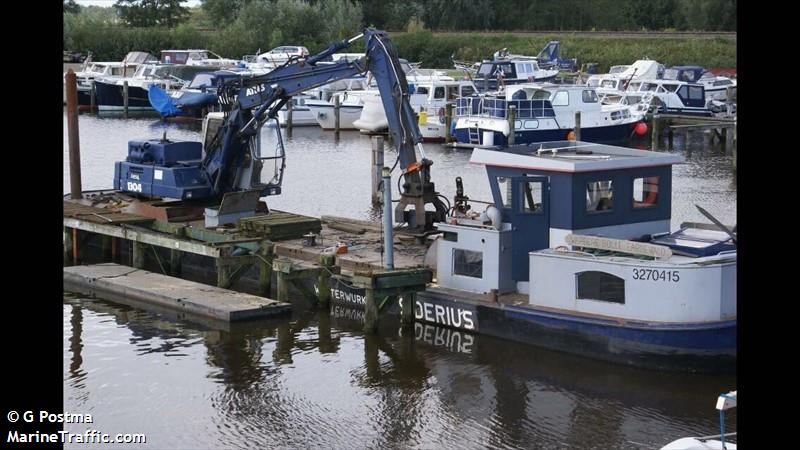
x=467 y=263
x=723 y=82
x=634 y=85
x=452 y=92
x=422 y=90
x=438 y=92
x=561 y=98
x=541 y=95
x=594 y=285
x=609 y=84
x=649 y=87
x=504 y=185
x=616 y=115
x=593 y=83
x=589 y=96
x=466 y=91
x=599 y=196
x=670 y=87
x=529 y=67
x=645 y=192
x=696 y=93
x=532 y=197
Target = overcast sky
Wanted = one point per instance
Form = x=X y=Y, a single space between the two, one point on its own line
x=111 y=2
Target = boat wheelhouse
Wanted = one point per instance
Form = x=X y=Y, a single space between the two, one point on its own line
x=716 y=87
x=542 y=113
x=675 y=97
x=574 y=253
x=492 y=75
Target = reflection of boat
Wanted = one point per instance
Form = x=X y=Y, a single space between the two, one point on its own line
x=714 y=442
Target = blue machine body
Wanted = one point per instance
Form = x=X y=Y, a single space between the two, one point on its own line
x=156 y=168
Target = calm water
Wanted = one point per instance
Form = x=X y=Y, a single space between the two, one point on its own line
x=316 y=381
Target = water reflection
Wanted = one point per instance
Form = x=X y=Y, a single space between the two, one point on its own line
x=317 y=380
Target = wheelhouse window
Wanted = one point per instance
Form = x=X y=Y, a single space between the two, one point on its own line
x=466 y=91
x=561 y=98
x=645 y=192
x=422 y=90
x=589 y=96
x=696 y=93
x=504 y=185
x=438 y=93
x=467 y=263
x=602 y=286
x=532 y=197
x=599 y=196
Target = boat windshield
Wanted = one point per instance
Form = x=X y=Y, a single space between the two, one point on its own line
x=202 y=80
x=671 y=74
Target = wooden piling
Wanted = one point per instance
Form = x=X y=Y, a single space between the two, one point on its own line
x=728 y=100
x=223 y=269
x=512 y=110
x=283 y=287
x=654 y=135
x=370 y=312
x=265 y=269
x=407 y=309
x=670 y=136
x=336 y=112
x=289 y=122
x=448 y=122
x=327 y=262
x=125 y=97
x=76 y=191
x=93 y=98
x=377 y=166
x=138 y=254
x=68 y=244
x=577 y=125
x=76 y=247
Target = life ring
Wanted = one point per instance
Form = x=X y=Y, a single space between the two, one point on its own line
x=650 y=199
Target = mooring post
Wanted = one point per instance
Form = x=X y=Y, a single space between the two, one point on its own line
x=512 y=110
x=175 y=256
x=370 y=312
x=654 y=136
x=283 y=287
x=728 y=100
x=68 y=243
x=377 y=168
x=92 y=97
x=407 y=309
x=324 y=280
x=577 y=125
x=76 y=191
x=289 y=121
x=336 y=111
x=223 y=269
x=388 y=238
x=76 y=247
x=138 y=255
x=265 y=269
x=125 y=97
x=448 y=121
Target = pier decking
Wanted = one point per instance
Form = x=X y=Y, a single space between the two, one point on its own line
x=118 y=282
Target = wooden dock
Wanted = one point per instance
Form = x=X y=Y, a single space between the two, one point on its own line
x=118 y=282
x=723 y=129
x=277 y=245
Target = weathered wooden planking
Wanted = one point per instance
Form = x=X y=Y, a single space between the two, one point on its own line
x=117 y=282
x=100 y=215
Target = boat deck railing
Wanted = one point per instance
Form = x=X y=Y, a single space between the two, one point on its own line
x=494 y=107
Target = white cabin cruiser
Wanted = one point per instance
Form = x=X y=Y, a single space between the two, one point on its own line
x=675 y=97
x=544 y=112
x=716 y=87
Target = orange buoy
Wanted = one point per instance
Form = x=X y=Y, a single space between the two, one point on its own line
x=640 y=129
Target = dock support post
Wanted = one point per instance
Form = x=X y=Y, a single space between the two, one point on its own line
x=448 y=122
x=377 y=167
x=370 y=312
x=289 y=119
x=125 y=97
x=76 y=247
x=68 y=244
x=114 y=249
x=223 y=269
x=388 y=240
x=407 y=309
x=324 y=280
x=728 y=100
x=577 y=125
x=283 y=287
x=336 y=112
x=92 y=97
x=265 y=269
x=654 y=136
x=724 y=138
x=76 y=192
x=138 y=255
x=105 y=247
x=511 y=116
x=670 y=136
x=175 y=256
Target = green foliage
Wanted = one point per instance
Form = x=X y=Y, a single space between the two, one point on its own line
x=71 y=7
x=150 y=13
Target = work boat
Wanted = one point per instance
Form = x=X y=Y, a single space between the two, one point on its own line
x=543 y=112
x=574 y=253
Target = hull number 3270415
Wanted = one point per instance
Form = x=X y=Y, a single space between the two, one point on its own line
x=656 y=275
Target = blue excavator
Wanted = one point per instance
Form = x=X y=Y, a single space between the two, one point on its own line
x=230 y=160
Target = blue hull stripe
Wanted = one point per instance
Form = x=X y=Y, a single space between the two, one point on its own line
x=595 y=134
